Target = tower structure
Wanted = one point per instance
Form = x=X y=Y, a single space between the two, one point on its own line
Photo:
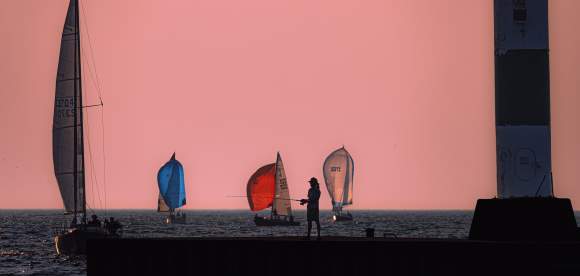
x=525 y=207
x=522 y=99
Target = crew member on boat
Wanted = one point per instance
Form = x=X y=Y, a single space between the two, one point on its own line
x=312 y=212
x=95 y=221
x=113 y=226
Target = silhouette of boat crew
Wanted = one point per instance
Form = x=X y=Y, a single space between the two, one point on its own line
x=95 y=221
x=112 y=226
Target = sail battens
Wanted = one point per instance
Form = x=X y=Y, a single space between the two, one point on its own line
x=63 y=127
x=62 y=173
x=338 y=170
x=68 y=38
x=65 y=80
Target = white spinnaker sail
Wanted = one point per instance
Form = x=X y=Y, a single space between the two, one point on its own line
x=67 y=119
x=338 y=170
x=281 y=195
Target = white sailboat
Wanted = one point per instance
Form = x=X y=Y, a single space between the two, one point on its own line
x=68 y=143
x=268 y=187
x=338 y=171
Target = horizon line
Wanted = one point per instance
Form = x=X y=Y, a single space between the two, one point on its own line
x=234 y=209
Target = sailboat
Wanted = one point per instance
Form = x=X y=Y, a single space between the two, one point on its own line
x=68 y=143
x=268 y=187
x=338 y=170
x=171 y=191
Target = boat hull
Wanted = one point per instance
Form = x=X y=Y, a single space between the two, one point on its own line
x=175 y=220
x=274 y=222
x=342 y=217
x=74 y=241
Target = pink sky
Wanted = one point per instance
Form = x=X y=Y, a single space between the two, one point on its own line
x=406 y=86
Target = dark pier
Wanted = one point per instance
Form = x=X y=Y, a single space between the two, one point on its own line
x=329 y=256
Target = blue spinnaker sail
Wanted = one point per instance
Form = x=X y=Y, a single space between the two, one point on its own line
x=171 y=185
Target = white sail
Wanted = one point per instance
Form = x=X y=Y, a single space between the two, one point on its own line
x=338 y=170
x=161 y=205
x=67 y=132
x=281 y=203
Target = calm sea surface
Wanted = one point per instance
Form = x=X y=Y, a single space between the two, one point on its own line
x=27 y=246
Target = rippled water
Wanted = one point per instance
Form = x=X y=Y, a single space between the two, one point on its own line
x=27 y=247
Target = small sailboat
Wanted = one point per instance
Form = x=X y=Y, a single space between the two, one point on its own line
x=338 y=170
x=68 y=144
x=171 y=191
x=268 y=187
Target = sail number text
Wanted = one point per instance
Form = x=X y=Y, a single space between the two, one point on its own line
x=65 y=108
x=283 y=184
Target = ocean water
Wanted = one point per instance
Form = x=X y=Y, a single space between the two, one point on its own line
x=27 y=245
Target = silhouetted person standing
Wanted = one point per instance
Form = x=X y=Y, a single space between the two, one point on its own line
x=312 y=213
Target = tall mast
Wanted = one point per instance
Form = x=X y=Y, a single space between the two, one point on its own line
x=80 y=99
x=78 y=122
x=76 y=107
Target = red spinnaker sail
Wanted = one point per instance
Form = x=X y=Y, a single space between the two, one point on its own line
x=261 y=187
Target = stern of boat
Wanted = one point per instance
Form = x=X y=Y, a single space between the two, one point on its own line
x=68 y=243
x=342 y=217
x=74 y=241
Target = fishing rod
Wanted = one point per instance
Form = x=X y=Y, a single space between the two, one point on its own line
x=299 y=200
